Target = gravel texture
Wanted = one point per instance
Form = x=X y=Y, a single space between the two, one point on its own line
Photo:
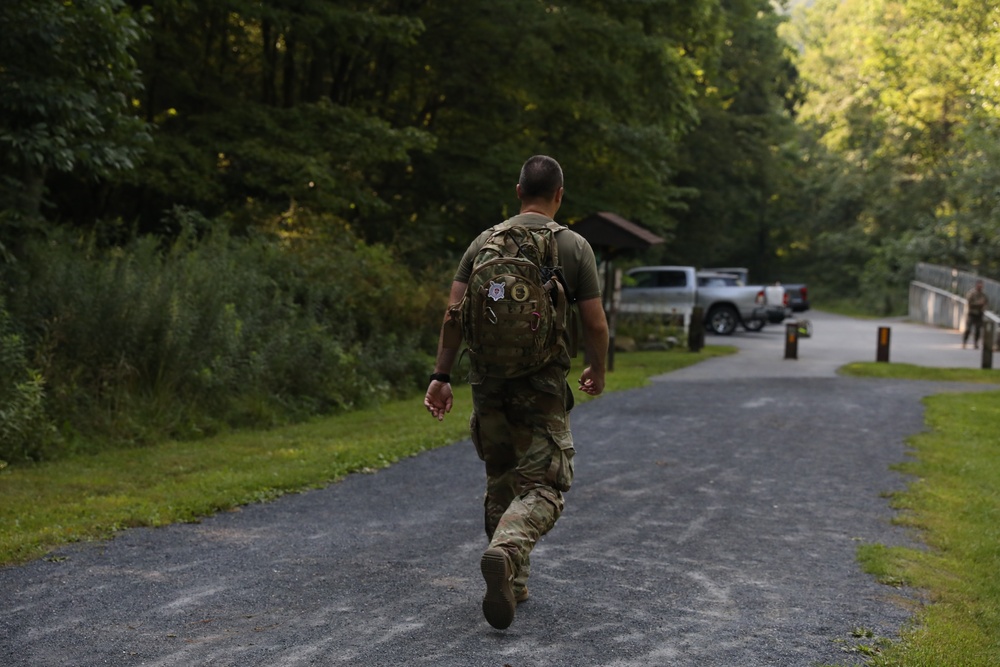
x=714 y=521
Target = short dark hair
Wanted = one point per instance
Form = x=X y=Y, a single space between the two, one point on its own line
x=541 y=177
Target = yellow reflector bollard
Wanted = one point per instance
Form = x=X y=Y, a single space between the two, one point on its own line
x=883 y=344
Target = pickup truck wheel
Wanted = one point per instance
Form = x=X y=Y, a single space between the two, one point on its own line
x=722 y=320
x=755 y=324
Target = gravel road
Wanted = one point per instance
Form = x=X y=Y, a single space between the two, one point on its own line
x=714 y=521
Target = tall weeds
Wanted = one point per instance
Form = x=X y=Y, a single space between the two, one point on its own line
x=138 y=342
x=25 y=431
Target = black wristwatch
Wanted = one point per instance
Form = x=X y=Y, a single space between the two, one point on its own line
x=441 y=377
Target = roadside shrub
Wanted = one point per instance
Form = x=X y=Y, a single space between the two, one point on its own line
x=649 y=327
x=25 y=431
x=138 y=342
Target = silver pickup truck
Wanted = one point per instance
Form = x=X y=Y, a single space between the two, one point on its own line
x=676 y=290
x=796 y=294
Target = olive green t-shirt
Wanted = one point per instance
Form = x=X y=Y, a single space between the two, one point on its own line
x=576 y=258
x=977 y=301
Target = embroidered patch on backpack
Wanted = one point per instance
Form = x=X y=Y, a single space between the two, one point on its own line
x=496 y=291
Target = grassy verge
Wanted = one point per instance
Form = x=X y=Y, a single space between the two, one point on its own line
x=48 y=505
x=843 y=306
x=910 y=372
x=954 y=504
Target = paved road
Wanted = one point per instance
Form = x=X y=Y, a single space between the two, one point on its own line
x=714 y=522
x=837 y=340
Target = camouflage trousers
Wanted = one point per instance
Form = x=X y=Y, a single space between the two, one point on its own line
x=520 y=428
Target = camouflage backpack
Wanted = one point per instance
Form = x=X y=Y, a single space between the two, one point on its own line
x=515 y=308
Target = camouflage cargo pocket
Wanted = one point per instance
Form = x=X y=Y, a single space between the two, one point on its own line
x=561 y=468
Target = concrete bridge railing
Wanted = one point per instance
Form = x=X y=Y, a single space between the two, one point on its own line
x=937 y=296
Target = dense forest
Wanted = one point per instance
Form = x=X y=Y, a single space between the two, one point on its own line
x=231 y=213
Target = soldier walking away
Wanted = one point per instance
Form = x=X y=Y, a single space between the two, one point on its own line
x=510 y=299
x=974 y=320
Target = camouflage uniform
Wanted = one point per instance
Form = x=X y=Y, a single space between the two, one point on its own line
x=521 y=431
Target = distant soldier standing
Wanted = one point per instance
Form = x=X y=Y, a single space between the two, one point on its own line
x=974 y=320
x=520 y=422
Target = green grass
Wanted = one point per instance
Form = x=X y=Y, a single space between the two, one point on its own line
x=843 y=306
x=91 y=497
x=859 y=307
x=953 y=504
x=874 y=369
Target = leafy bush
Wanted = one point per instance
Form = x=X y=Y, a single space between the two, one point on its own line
x=138 y=342
x=25 y=431
x=646 y=327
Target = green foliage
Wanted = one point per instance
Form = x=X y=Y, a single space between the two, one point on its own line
x=265 y=159
x=67 y=79
x=259 y=105
x=607 y=88
x=738 y=163
x=137 y=342
x=903 y=100
x=411 y=119
x=25 y=431
x=645 y=328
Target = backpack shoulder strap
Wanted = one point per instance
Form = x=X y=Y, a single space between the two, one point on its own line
x=553 y=250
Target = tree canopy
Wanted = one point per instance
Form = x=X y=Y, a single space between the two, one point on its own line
x=904 y=102
x=68 y=77
x=409 y=119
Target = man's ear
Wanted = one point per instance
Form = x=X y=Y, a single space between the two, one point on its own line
x=517 y=189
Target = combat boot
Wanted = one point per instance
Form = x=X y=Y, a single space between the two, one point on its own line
x=499 y=602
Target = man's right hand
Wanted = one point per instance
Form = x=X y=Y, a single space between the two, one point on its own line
x=590 y=382
x=438 y=399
